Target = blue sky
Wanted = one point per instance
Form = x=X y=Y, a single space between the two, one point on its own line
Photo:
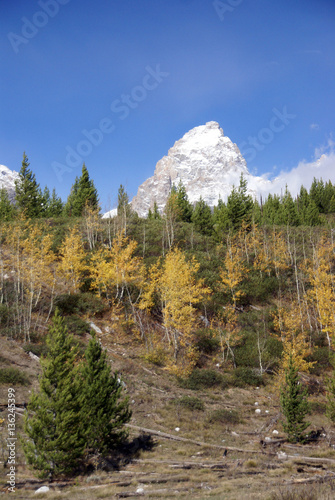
x=67 y=65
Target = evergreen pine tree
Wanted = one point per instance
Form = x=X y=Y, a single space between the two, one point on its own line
x=28 y=195
x=202 y=218
x=82 y=192
x=7 y=210
x=316 y=193
x=332 y=205
x=330 y=408
x=155 y=214
x=53 y=422
x=221 y=221
x=294 y=404
x=56 y=205
x=185 y=207
x=69 y=206
x=104 y=411
x=290 y=211
x=312 y=217
x=328 y=193
x=45 y=202
x=239 y=204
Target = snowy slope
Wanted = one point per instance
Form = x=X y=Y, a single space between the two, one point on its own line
x=206 y=161
x=7 y=180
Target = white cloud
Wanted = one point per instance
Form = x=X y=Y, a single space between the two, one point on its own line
x=302 y=175
x=326 y=148
x=314 y=126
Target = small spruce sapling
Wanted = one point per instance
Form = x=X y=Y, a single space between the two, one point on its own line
x=294 y=404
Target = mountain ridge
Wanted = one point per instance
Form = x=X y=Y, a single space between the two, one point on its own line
x=207 y=163
x=7 y=180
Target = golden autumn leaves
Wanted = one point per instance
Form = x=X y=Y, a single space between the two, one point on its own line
x=172 y=285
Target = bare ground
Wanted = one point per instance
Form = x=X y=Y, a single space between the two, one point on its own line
x=201 y=459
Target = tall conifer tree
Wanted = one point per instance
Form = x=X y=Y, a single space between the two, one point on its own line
x=105 y=413
x=83 y=192
x=28 y=194
x=53 y=422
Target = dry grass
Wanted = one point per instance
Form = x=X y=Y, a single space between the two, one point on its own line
x=196 y=472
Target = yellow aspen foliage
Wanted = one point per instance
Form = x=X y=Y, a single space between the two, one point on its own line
x=260 y=246
x=116 y=270
x=151 y=286
x=321 y=294
x=72 y=265
x=125 y=269
x=37 y=259
x=99 y=270
x=279 y=252
x=234 y=271
x=30 y=261
x=91 y=225
x=179 y=290
x=294 y=338
x=229 y=331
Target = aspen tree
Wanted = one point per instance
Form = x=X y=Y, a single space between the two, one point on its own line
x=91 y=224
x=29 y=261
x=179 y=291
x=72 y=260
x=117 y=270
x=322 y=293
x=37 y=260
x=294 y=338
x=234 y=272
x=172 y=213
x=229 y=332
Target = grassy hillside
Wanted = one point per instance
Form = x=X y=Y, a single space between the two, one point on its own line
x=207 y=440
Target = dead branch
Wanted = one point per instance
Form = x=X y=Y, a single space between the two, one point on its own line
x=185 y=440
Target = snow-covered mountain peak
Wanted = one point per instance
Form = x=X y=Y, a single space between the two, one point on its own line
x=7 y=180
x=207 y=163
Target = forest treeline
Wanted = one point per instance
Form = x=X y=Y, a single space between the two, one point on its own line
x=186 y=276
x=249 y=286
x=308 y=208
x=257 y=293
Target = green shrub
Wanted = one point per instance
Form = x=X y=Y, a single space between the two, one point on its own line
x=4 y=314
x=317 y=407
x=323 y=362
x=74 y=303
x=303 y=492
x=67 y=304
x=90 y=303
x=76 y=325
x=37 y=349
x=202 y=379
x=190 y=403
x=207 y=341
x=13 y=376
x=224 y=416
x=244 y=375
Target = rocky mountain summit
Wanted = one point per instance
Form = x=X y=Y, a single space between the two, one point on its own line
x=207 y=163
x=7 y=180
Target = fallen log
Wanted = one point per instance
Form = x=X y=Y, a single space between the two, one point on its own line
x=127 y=494
x=185 y=440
